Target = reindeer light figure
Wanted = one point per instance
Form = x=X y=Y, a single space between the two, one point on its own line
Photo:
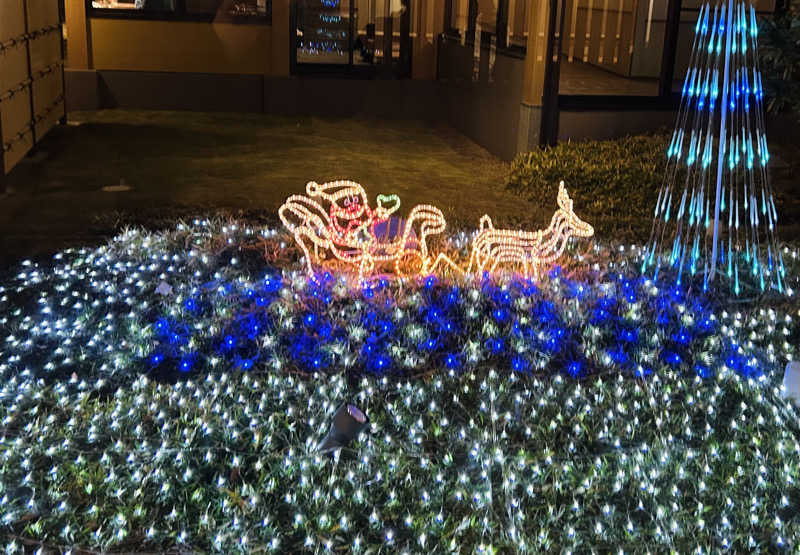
x=347 y=228
x=529 y=249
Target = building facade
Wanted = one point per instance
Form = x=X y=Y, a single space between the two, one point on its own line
x=511 y=74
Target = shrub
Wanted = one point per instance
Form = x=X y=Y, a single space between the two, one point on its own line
x=614 y=183
x=779 y=53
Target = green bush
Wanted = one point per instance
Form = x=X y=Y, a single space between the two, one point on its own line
x=614 y=184
x=779 y=58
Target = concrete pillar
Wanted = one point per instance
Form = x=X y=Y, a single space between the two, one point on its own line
x=428 y=23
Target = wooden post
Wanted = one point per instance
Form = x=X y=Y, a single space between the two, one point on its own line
x=502 y=24
x=61 y=18
x=388 y=39
x=79 y=43
x=404 y=64
x=30 y=72
x=283 y=38
x=536 y=56
x=2 y=155
x=670 y=46
x=555 y=30
x=351 y=34
x=539 y=51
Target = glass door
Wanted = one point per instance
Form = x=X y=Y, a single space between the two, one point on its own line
x=323 y=32
x=370 y=37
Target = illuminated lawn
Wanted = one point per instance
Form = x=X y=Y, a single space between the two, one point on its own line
x=168 y=391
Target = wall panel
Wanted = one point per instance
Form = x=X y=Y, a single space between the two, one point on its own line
x=13 y=66
x=137 y=45
x=31 y=76
x=12 y=19
x=15 y=115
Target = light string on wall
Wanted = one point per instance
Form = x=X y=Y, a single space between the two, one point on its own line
x=22 y=86
x=715 y=210
x=27 y=37
x=31 y=126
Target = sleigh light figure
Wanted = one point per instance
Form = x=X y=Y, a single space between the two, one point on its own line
x=348 y=229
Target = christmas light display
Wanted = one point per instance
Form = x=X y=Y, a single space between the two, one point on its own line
x=529 y=250
x=347 y=228
x=612 y=411
x=715 y=210
x=348 y=231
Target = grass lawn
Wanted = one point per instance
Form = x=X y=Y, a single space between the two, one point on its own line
x=185 y=164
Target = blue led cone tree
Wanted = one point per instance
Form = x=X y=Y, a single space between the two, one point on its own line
x=715 y=211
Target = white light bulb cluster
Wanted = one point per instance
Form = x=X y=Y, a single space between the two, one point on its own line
x=95 y=456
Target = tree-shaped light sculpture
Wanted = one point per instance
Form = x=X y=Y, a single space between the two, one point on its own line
x=715 y=211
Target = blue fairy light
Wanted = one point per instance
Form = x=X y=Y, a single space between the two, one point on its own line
x=495 y=345
x=452 y=361
x=186 y=363
x=156 y=359
x=672 y=358
x=385 y=327
x=452 y=297
x=245 y=363
x=682 y=337
x=619 y=356
x=379 y=364
x=429 y=344
x=703 y=371
x=627 y=335
x=519 y=364
x=162 y=326
x=499 y=314
x=575 y=369
x=433 y=315
x=430 y=282
x=325 y=331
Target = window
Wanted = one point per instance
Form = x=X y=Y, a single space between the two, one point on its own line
x=501 y=23
x=145 y=5
x=229 y=7
x=517 y=24
x=246 y=11
x=459 y=16
x=487 y=15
